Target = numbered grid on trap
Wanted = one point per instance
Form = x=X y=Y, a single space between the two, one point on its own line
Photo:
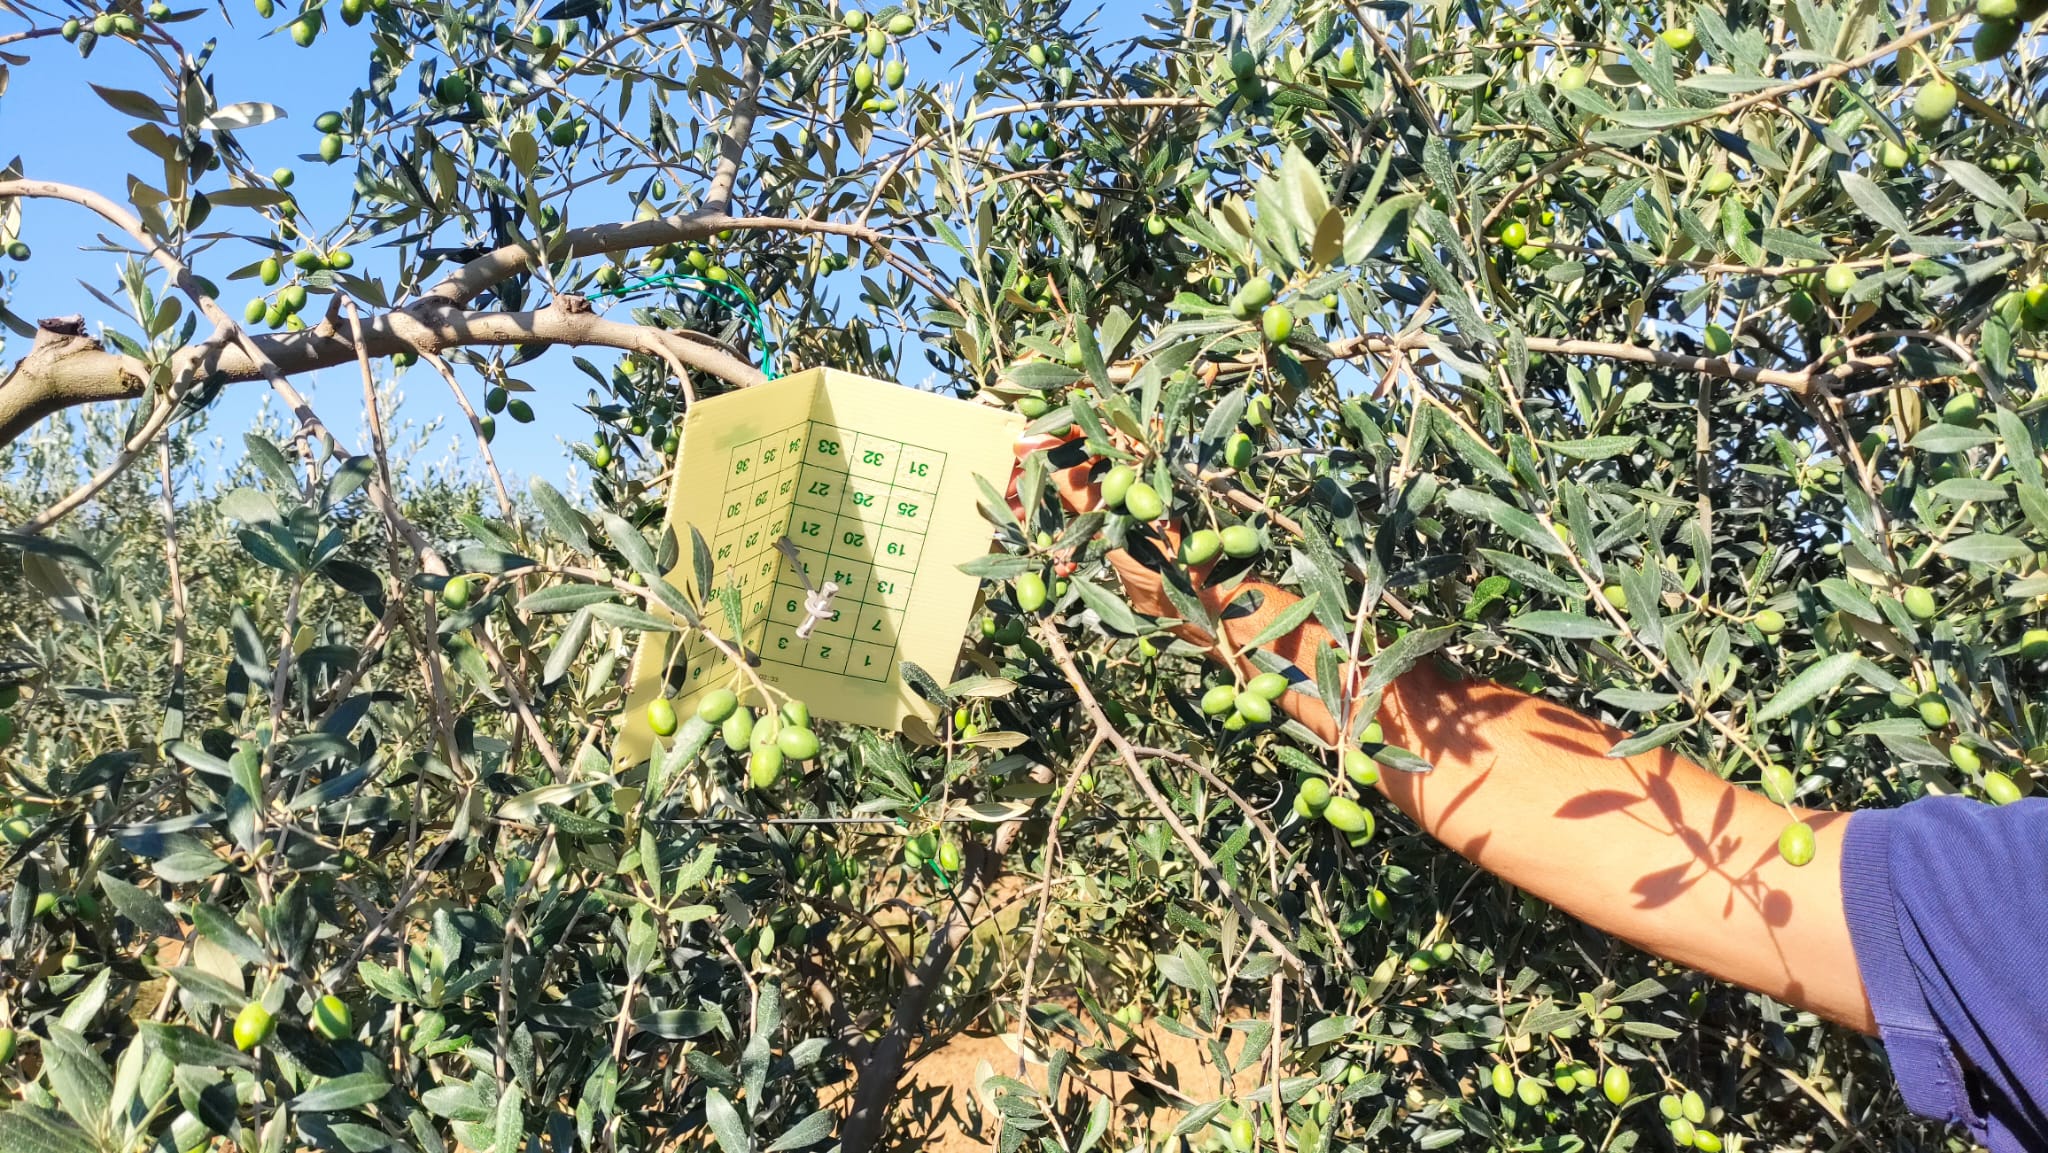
x=862 y=506
x=752 y=513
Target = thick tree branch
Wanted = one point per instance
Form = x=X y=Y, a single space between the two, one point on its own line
x=882 y=1066
x=732 y=145
x=64 y=370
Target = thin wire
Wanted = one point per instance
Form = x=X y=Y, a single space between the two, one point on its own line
x=716 y=289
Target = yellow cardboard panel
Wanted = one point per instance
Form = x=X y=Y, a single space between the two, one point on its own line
x=874 y=484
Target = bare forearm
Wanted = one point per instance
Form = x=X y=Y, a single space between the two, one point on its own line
x=1652 y=848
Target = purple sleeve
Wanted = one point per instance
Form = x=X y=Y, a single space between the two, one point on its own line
x=1948 y=912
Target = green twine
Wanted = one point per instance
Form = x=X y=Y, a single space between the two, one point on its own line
x=945 y=882
x=717 y=290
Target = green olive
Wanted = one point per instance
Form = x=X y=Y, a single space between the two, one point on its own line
x=1143 y=502
x=1116 y=485
x=661 y=717
x=1219 y=699
x=797 y=744
x=1919 y=601
x=1795 y=843
x=1200 y=547
x=1030 y=592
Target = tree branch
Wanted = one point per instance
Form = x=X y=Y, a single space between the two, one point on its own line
x=732 y=145
x=64 y=369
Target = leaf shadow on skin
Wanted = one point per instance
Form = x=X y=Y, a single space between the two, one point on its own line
x=1709 y=844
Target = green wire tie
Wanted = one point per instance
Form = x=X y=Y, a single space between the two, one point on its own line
x=712 y=288
x=945 y=882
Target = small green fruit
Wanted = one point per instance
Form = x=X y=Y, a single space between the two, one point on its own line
x=1345 y=815
x=855 y=21
x=1240 y=541
x=1143 y=502
x=863 y=77
x=1780 y=783
x=254 y=310
x=1965 y=758
x=1238 y=451
x=764 y=766
x=1116 y=485
x=455 y=593
x=902 y=24
x=452 y=89
x=1200 y=547
x=330 y=148
x=1315 y=795
x=1615 y=1084
x=1030 y=592
x=717 y=705
x=1769 y=622
x=1271 y=686
x=1795 y=843
x=1504 y=1080
x=1616 y=596
x=1531 y=1092
x=1679 y=40
x=8 y=1043
x=331 y=1018
x=253 y=1026
x=2000 y=788
x=305 y=30
x=2034 y=645
x=1255 y=295
x=797 y=744
x=1693 y=1107
x=1934 y=102
x=1514 y=235
x=1278 y=323
x=520 y=410
x=1219 y=699
x=949 y=859
x=1361 y=768
x=1919 y=601
x=1718 y=181
x=1840 y=279
x=1243 y=64
x=661 y=717
x=1255 y=709
x=270 y=271
x=738 y=729
x=1994 y=38
x=1934 y=712
x=1893 y=155
x=1573 y=78
x=1961 y=409
x=46 y=904
x=495 y=398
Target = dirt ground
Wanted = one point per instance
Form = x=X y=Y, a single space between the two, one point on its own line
x=940 y=1111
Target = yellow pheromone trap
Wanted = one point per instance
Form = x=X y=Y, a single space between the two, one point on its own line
x=872 y=486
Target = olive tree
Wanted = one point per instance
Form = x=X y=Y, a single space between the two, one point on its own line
x=1676 y=362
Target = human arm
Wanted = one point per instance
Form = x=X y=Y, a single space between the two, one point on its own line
x=1653 y=848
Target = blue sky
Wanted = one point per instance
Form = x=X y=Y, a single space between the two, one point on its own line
x=49 y=109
